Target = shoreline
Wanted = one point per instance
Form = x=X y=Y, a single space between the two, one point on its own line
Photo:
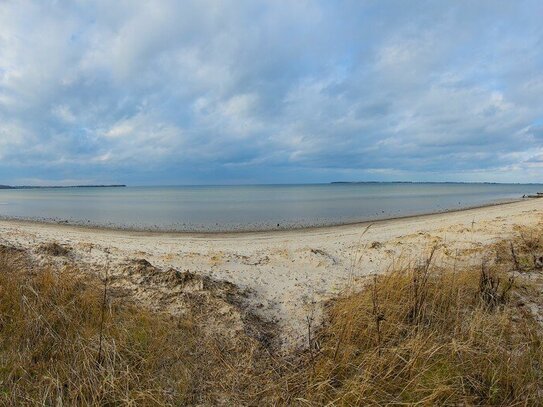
x=224 y=233
x=288 y=274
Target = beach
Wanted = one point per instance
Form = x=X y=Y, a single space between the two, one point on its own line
x=271 y=203
x=289 y=275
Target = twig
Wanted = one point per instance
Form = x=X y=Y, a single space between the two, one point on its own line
x=310 y=343
x=515 y=260
x=377 y=313
x=103 y=313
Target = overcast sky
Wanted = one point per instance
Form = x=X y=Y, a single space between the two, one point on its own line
x=215 y=92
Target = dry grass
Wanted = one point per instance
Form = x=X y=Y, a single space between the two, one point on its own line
x=55 y=249
x=419 y=335
x=50 y=328
x=48 y=347
x=429 y=336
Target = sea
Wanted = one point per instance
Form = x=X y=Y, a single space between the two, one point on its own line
x=248 y=207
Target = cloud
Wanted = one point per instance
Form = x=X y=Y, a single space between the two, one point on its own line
x=244 y=91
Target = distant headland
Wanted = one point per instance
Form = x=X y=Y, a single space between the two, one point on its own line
x=57 y=186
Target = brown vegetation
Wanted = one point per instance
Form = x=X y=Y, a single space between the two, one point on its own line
x=52 y=352
x=54 y=249
x=437 y=337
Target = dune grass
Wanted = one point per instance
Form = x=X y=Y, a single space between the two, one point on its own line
x=422 y=334
x=50 y=328
x=61 y=344
x=428 y=337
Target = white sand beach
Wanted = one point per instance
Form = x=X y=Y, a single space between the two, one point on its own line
x=291 y=273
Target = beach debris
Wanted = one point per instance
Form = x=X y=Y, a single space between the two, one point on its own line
x=325 y=254
x=252 y=261
x=538 y=261
x=376 y=245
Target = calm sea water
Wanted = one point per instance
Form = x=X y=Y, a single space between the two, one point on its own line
x=258 y=207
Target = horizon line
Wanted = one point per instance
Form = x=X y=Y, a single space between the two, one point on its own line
x=7 y=186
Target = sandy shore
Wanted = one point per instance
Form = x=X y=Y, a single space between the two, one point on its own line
x=291 y=273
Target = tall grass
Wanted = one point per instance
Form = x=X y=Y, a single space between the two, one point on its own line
x=61 y=345
x=424 y=335
x=49 y=324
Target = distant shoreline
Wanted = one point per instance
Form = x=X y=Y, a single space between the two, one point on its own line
x=60 y=186
x=272 y=184
x=436 y=182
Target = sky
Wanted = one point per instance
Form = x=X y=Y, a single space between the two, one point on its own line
x=161 y=92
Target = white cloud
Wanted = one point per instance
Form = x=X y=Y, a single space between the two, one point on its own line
x=64 y=113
